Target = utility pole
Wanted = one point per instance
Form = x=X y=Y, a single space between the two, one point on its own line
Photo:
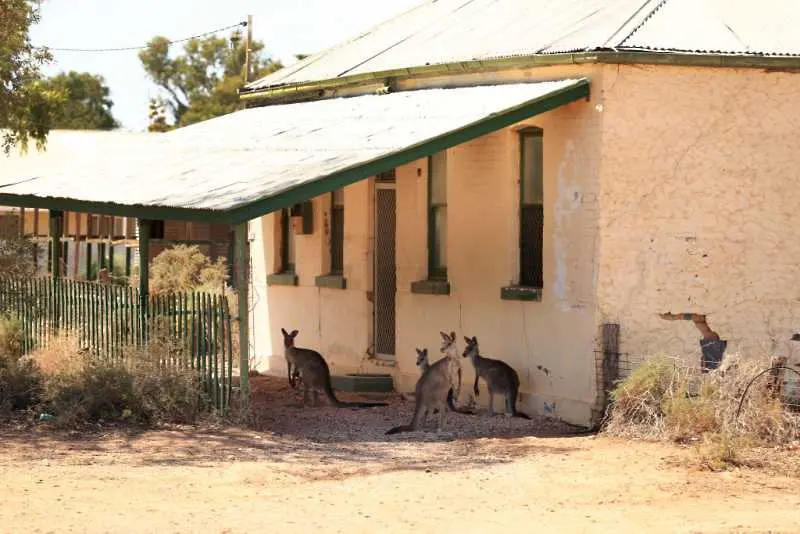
x=247 y=48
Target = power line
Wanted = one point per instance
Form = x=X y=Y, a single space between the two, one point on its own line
x=126 y=48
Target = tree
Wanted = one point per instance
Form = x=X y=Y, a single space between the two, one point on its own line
x=24 y=102
x=85 y=102
x=202 y=82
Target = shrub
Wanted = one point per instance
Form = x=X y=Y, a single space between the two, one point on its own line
x=167 y=393
x=81 y=388
x=186 y=268
x=20 y=378
x=17 y=257
x=91 y=391
x=662 y=399
x=639 y=398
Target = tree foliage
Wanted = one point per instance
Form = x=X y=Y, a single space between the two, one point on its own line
x=203 y=81
x=25 y=104
x=85 y=103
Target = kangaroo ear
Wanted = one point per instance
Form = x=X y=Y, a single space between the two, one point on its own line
x=294 y=333
x=453 y=336
x=444 y=335
x=418 y=351
x=424 y=351
x=468 y=340
x=475 y=340
x=285 y=333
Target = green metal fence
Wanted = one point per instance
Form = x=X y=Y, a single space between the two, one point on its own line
x=190 y=329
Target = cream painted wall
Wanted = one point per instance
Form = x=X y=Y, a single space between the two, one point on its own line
x=556 y=334
x=336 y=322
x=699 y=204
x=549 y=343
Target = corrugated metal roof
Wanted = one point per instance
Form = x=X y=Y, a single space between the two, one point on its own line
x=231 y=161
x=449 y=31
x=763 y=27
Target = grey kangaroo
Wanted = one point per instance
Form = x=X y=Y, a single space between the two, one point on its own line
x=437 y=388
x=314 y=373
x=499 y=376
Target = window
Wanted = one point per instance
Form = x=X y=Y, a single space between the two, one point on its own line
x=437 y=216
x=287 y=243
x=337 y=232
x=157 y=229
x=531 y=232
x=118 y=227
x=94 y=225
x=284 y=275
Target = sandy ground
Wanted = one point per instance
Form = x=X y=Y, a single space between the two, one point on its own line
x=333 y=470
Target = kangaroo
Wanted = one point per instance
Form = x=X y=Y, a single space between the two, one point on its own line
x=436 y=388
x=423 y=363
x=499 y=376
x=314 y=373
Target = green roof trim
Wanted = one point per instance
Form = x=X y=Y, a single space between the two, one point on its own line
x=113 y=208
x=577 y=91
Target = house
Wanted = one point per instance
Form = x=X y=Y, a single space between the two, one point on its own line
x=555 y=178
x=671 y=188
x=93 y=241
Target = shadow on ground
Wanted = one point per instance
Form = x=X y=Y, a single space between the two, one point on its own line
x=315 y=443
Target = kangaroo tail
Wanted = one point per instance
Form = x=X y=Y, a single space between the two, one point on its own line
x=452 y=405
x=341 y=404
x=410 y=427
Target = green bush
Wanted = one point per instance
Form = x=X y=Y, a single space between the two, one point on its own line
x=639 y=398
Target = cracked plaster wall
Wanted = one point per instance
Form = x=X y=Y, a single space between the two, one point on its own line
x=699 y=206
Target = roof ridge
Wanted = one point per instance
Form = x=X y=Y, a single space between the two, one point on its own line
x=644 y=21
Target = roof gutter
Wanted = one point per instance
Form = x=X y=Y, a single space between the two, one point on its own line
x=629 y=57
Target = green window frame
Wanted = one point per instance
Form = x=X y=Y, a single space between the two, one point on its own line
x=531 y=213
x=287 y=243
x=337 y=232
x=437 y=216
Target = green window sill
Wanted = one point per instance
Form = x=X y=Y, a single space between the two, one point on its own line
x=431 y=287
x=282 y=279
x=523 y=293
x=331 y=281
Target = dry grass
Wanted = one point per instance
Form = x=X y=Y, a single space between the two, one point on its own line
x=142 y=388
x=664 y=400
x=20 y=378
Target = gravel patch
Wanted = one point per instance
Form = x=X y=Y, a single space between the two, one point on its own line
x=278 y=409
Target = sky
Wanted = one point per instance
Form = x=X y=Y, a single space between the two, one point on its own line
x=287 y=27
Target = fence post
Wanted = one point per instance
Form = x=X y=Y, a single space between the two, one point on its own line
x=242 y=262
x=144 y=273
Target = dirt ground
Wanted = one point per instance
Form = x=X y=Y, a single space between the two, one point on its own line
x=333 y=470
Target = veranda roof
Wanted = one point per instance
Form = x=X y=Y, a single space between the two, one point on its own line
x=252 y=162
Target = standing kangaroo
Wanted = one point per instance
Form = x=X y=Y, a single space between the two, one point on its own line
x=436 y=388
x=499 y=376
x=311 y=367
